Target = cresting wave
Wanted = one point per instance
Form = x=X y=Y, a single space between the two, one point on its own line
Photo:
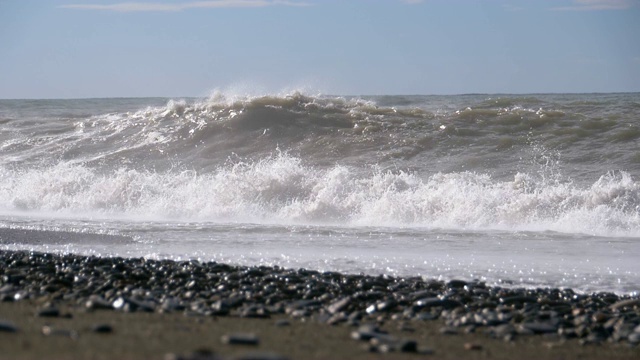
x=427 y=134
x=546 y=162
x=282 y=189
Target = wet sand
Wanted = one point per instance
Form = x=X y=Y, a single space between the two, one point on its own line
x=155 y=336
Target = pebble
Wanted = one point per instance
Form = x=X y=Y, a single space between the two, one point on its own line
x=201 y=354
x=540 y=328
x=472 y=346
x=367 y=332
x=240 y=339
x=51 y=331
x=260 y=356
x=48 y=312
x=204 y=289
x=102 y=328
x=448 y=330
x=7 y=326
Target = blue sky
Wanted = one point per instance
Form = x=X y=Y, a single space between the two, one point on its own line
x=79 y=49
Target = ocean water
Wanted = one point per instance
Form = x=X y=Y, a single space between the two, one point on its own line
x=514 y=190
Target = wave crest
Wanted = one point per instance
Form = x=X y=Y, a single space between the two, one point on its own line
x=282 y=189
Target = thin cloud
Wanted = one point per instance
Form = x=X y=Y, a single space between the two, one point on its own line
x=592 y=5
x=412 y=2
x=163 y=7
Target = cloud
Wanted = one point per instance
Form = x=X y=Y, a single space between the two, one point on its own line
x=590 y=5
x=412 y=2
x=164 y=7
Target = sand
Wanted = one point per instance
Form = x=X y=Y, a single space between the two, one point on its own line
x=157 y=335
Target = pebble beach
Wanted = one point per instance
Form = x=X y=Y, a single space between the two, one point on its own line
x=71 y=306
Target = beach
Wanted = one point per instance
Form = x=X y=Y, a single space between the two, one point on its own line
x=76 y=307
x=316 y=226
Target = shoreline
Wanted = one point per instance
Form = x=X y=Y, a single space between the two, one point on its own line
x=72 y=306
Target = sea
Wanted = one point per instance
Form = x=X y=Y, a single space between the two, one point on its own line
x=530 y=191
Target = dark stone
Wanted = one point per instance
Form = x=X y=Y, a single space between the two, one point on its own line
x=260 y=356
x=518 y=299
x=48 y=312
x=200 y=354
x=102 y=328
x=408 y=346
x=283 y=322
x=240 y=339
x=7 y=326
x=540 y=328
x=456 y=284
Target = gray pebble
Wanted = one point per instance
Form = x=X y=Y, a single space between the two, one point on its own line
x=283 y=322
x=48 y=312
x=241 y=339
x=7 y=326
x=102 y=328
x=260 y=356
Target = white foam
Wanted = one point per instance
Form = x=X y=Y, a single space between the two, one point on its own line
x=282 y=189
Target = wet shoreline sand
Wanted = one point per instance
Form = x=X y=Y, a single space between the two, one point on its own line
x=77 y=307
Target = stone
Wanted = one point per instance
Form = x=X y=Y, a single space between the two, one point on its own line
x=48 y=312
x=7 y=326
x=337 y=306
x=540 y=328
x=625 y=303
x=283 y=322
x=260 y=356
x=102 y=328
x=51 y=331
x=472 y=346
x=241 y=339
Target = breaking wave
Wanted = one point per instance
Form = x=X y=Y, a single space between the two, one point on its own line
x=282 y=189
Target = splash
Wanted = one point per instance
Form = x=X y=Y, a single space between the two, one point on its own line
x=282 y=189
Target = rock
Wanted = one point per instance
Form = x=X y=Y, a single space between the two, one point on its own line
x=7 y=326
x=102 y=328
x=408 y=346
x=518 y=299
x=472 y=346
x=48 y=312
x=540 y=328
x=50 y=331
x=241 y=339
x=625 y=303
x=260 y=356
x=201 y=354
x=98 y=303
x=337 y=306
x=369 y=331
x=448 y=330
x=456 y=284
x=283 y=322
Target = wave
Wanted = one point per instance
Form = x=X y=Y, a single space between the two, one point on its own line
x=283 y=189
x=434 y=134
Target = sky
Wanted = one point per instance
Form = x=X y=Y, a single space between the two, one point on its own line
x=87 y=49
